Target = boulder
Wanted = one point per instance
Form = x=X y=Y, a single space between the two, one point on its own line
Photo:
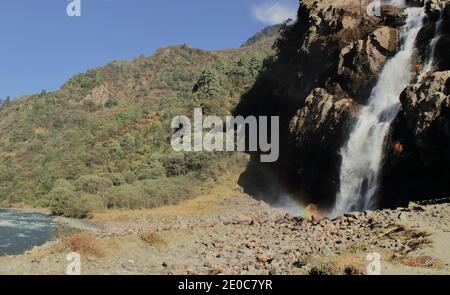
x=361 y=61
x=322 y=111
x=417 y=170
x=424 y=107
x=245 y=220
x=265 y=258
x=392 y=16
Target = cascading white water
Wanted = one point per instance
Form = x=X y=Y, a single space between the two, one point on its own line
x=431 y=48
x=361 y=156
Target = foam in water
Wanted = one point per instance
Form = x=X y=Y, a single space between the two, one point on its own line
x=397 y=3
x=21 y=231
x=361 y=156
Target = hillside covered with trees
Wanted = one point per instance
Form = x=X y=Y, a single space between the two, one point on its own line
x=103 y=139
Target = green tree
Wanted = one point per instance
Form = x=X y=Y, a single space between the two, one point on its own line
x=93 y=184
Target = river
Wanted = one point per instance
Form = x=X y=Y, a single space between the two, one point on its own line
x=21 y=231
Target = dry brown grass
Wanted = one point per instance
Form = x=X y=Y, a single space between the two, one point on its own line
x=423 y=262
x=152 y=238
x=344 y=264
x=85 y=244
x=351 y=264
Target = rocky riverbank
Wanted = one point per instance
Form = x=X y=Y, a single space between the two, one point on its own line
x=227 y=232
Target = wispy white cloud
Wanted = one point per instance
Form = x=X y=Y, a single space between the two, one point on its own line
x=274 y=12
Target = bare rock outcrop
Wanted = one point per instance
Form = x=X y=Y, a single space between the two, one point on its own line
x=436 y=30
x=365 y=58
x=434 y=5
x=418 y=147
x=425 y=106
x=322 y=111
x=325 y=68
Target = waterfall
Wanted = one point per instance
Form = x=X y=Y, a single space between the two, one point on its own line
x=362 y=154
x=431 y=48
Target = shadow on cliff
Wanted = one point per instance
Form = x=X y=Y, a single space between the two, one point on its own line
x=279 y=91
x=316 y=83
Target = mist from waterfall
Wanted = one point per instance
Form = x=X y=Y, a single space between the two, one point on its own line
x=362 y=154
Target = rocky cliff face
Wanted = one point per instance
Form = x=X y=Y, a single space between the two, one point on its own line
x=326 y=66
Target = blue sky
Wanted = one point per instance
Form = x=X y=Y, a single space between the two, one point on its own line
x=41 y=46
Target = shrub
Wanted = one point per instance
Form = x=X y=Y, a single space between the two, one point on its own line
x=145 y=174
x=117 y=179
x=128 y=142
x=152 y=238
x=111 y=102
x=63 y=200
x=209 y=83
x=129 y=176
x=114 y=149
x=199 y=161
x=84 y=244
x=64 y=183
x=125 y=196
x=60 y=198
x=166 y=191
x=175 y=165
x=423 y=262
x=323 y=270
x=153 y=170
x=84 y=204
x=128 y=115
x=93 y=184
x=149 y=193
x=90 y=106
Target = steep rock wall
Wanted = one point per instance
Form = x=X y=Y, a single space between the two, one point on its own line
x=326 y=66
